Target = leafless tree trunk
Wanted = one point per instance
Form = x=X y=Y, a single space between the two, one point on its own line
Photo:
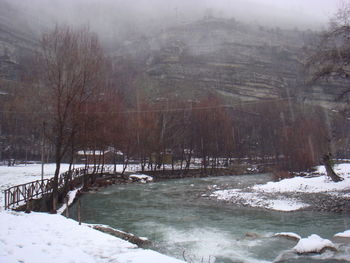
x=330 y=172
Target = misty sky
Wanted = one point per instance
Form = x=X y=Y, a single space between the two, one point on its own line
x=113 y=16
x=290 y=13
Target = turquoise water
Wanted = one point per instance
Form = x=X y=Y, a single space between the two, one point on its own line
x=180 y=221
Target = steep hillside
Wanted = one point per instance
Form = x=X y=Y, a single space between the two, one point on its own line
x=238 y=61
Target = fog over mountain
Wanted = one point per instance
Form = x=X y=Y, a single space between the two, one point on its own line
x=117 y=18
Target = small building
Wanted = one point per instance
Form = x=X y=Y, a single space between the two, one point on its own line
x=162 y=158
x=96 y=156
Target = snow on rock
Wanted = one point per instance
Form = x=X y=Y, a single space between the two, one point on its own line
x=343 y=234
x=313 y=244
x=143 y=178
x=290 y=235
x=40 y=237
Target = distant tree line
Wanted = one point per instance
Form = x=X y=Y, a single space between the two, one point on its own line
x=287 y=135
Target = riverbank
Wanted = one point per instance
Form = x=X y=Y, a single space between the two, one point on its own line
x=312 y=191
x=42 y=237
x=237 y=169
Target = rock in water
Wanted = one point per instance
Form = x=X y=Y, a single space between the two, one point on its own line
x=313 y=244
x=288 y=235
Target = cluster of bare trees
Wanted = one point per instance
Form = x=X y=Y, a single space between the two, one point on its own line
x=151 y=132
x=205 y=131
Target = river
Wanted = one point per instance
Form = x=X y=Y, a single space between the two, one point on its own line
x=181 y=221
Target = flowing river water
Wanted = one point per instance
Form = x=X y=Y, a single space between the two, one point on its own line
x=181 y=221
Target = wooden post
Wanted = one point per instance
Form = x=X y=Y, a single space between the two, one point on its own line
x=28 y=207
x=42 y=152
x=67 y=207
x=79 y=215
x=6 y=200
x=27 y=197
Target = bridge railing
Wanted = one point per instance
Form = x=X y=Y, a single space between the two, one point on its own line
x=15 y=195
x=20 y=194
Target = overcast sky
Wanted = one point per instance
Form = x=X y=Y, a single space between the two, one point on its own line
x=300 y=13
x=103 y=15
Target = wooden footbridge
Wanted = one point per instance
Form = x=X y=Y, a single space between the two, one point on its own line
x=19 y=195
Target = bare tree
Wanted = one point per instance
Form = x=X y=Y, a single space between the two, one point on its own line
x=70 y=71
x=331 y=60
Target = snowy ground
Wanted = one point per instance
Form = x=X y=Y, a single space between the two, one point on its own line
x=278 y=195
x=40 y=237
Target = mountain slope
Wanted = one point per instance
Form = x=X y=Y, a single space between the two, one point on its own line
x=238 y=61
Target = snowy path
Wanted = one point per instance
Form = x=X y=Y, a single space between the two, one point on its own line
x=41 y=237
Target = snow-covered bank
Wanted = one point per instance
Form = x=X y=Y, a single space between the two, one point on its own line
x=40 y=237
x=280 y=195
x=258 y=200
x=305 y=185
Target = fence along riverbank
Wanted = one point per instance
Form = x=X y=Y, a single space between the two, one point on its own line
x=17 y=197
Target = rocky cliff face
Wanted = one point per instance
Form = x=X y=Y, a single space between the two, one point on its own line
x=237 y=61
